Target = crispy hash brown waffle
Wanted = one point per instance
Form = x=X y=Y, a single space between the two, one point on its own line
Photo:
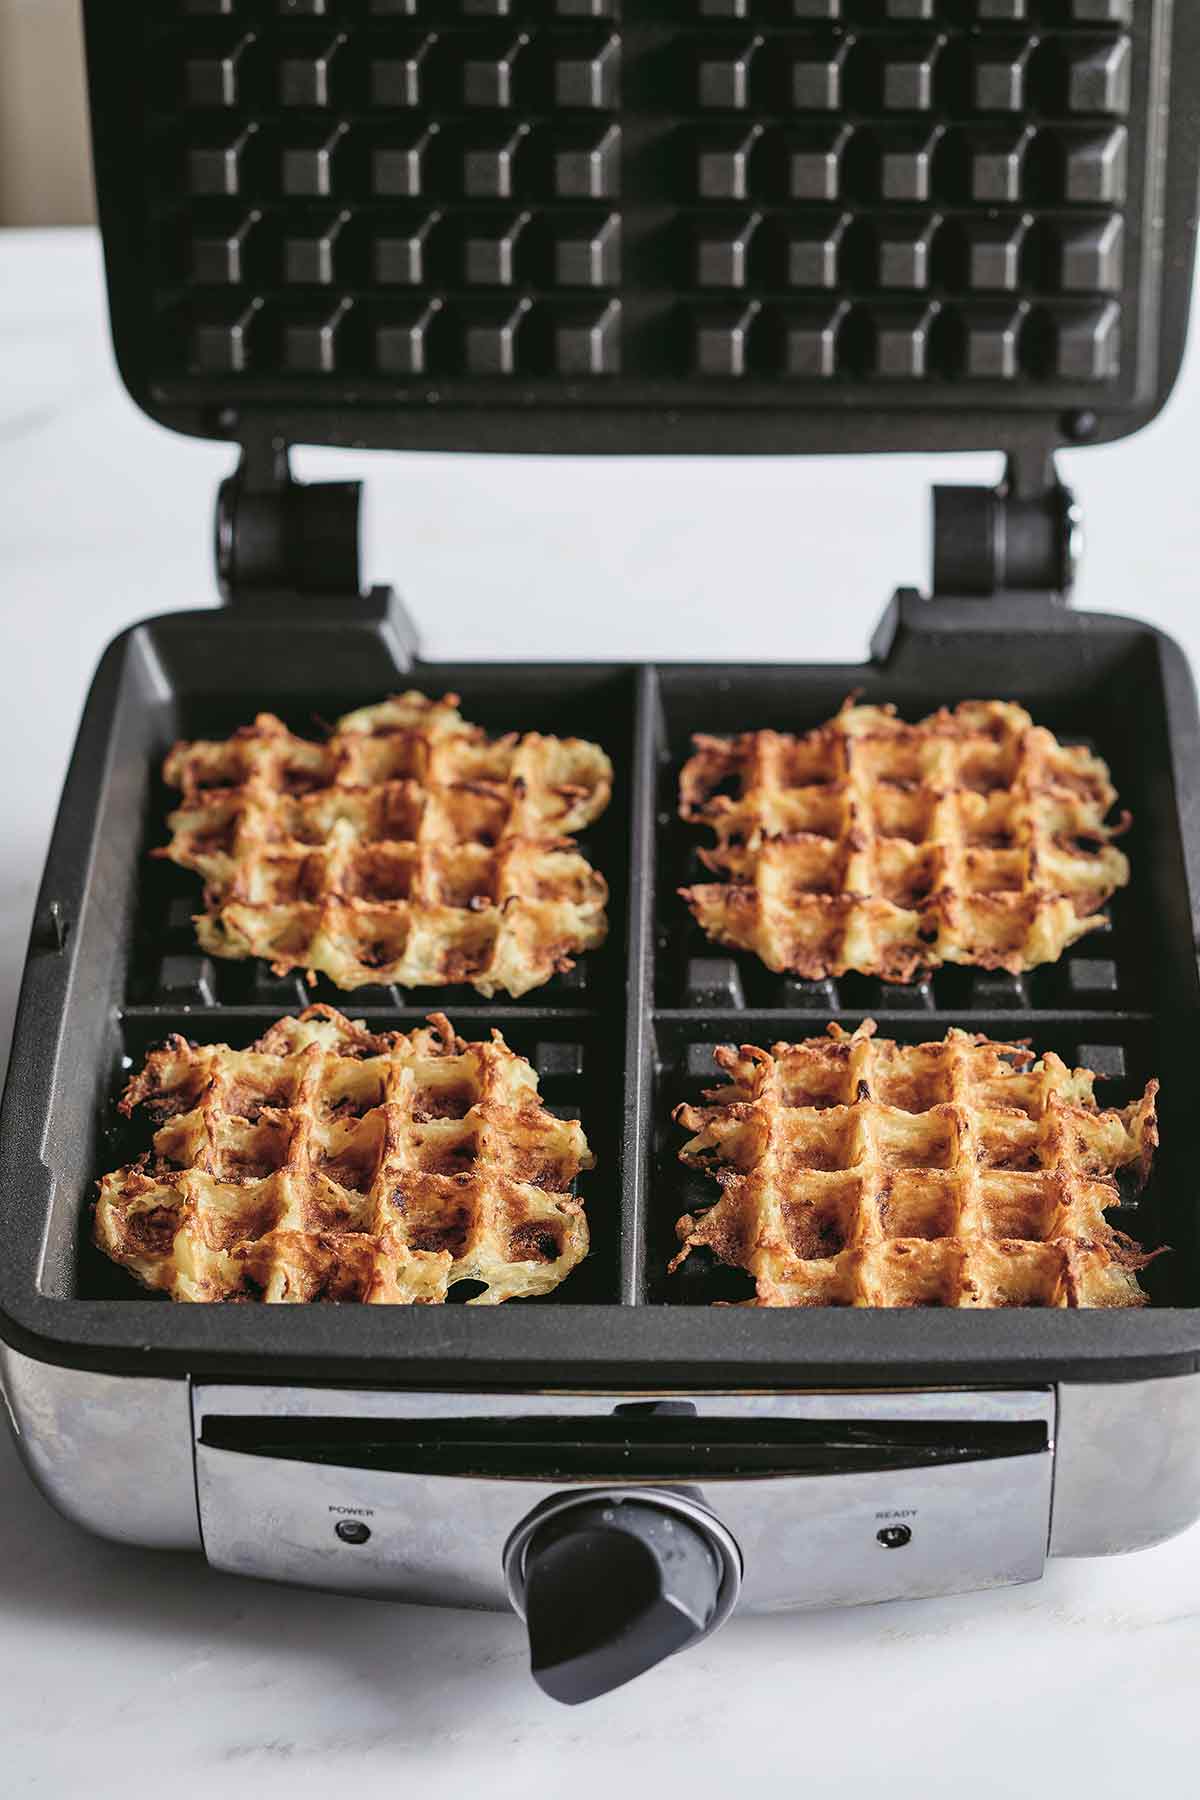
x=856 y=1171
x=329 y=1163
x=885 y=848
x=408 y=848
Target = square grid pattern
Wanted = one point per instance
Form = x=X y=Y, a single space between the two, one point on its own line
x=881 y=847
x=581 y=196
x=1078 y=1008
x=856 y=1171
x=1094 y=1007
x=325 y=1162
x=406 y=849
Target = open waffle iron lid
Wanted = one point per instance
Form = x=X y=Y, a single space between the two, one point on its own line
x=648 y=225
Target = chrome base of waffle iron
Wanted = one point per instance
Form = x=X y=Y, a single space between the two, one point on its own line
x=130 y=1459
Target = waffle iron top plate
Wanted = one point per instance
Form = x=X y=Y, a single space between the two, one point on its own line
x=648 y=224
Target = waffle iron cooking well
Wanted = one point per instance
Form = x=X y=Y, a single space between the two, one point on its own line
x=581 y=225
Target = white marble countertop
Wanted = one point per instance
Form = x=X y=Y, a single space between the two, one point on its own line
x=133 y=1674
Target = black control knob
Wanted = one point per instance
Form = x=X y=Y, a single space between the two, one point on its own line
x=614 y=1585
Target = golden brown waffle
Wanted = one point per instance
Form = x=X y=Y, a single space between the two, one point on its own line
x=408 y=848
x=856 y=1171
x=330 y=1163
x=885 y=848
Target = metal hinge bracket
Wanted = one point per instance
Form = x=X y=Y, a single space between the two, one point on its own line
x=277 y=537
x=1024 y=536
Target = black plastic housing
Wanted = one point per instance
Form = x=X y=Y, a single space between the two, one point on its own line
x=621 y=1039
x=630 y=225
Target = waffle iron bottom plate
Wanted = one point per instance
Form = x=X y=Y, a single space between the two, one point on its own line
x=620 y=1039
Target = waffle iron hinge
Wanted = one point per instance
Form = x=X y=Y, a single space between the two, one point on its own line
x=283 y=545
x=1023 y=537
x=1017 y=546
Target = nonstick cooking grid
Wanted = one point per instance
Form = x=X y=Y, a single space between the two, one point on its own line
x=962 y=181
x=168 y=966
x=630 y=1032
x=1093 y=1008
x=583 y=205
x=171 y=986
x=628 y=1043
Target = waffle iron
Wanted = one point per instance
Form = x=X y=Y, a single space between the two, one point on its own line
x=660 y=226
